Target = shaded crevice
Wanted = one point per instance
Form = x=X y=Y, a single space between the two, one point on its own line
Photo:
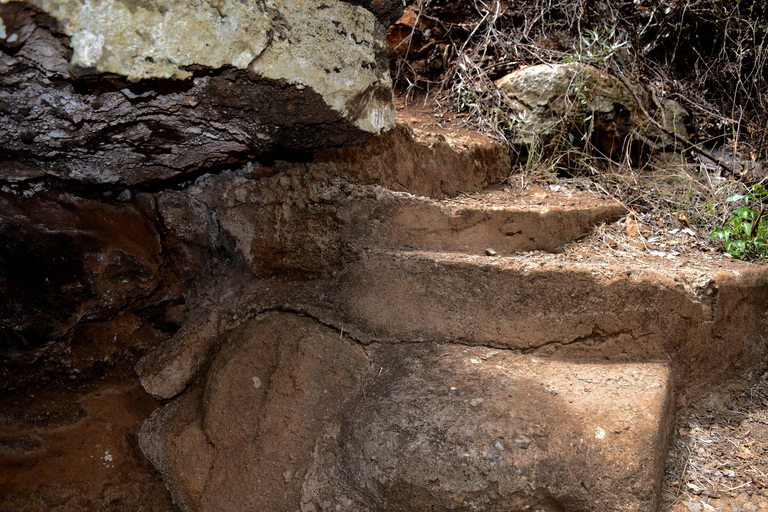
x=39 y=352
x=306 y=314
x=108 y=192
x=591 y=340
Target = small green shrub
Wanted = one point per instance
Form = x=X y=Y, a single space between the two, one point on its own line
x=596 y=46
x=745 y=233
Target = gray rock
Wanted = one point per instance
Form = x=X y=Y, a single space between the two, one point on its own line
x=578 y=99
x=187 y=219
x=192 y=84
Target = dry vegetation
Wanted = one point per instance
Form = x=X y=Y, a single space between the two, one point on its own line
x=719 y=455
x=709 y=55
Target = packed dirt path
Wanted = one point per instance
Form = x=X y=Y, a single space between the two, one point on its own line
x=474 y=287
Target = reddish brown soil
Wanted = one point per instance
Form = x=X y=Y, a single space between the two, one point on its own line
x=76 y=450
x=56 y=442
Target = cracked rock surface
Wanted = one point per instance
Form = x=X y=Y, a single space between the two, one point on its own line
x=310 y=422
x=65 y=260
x=192 y=85
x=449 y=427
x=243 y=439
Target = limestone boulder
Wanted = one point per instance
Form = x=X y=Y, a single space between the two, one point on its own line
x=125 y=92
x=575 y=102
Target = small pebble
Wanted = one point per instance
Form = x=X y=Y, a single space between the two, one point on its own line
x=490 y=252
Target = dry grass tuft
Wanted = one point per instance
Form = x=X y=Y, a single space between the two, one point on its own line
x=452 y=52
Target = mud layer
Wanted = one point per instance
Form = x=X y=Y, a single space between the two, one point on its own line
x=76 y=450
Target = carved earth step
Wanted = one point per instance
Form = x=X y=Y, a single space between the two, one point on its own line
x=291 y=417
x=504 y=220
x=323 y=222
x=447 y=427
x=708 y=323
x=416 y=159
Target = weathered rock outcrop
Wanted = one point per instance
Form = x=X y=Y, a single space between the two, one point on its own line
x=64 y=260
x=290 y=417
x=554 y=101
x=244 y=439
x=348 y=328
x=190 y=85
x=445 y=427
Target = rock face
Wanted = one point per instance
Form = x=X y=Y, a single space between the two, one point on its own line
x=454 y=428
x=292 y=418
x=64 y=260
x=244 y=439
x=360 y=328
x=562 y=104
x=193 y=84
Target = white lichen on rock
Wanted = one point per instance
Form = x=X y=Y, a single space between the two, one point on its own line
x=139 y=39
x=330 y=46
x=305 y=51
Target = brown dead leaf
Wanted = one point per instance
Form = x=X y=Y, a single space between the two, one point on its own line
x=745 y=453
x=538 y=192
x=632 y=228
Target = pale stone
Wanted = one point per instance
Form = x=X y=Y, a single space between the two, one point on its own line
x=158 y=39
x=329 y=46
x=580 y=100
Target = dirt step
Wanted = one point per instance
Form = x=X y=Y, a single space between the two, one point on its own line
x=419 y=158
x=291 y=416
x=324 y=222
x=449 y=427
x=706 y=321
x=500 y=220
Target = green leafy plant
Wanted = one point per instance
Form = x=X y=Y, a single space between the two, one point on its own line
x=745 y=233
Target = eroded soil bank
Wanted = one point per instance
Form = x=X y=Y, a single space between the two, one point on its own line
x=74 y=447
